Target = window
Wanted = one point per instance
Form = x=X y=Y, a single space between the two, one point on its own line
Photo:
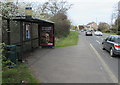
x=26 y=32
x=27 y=29
x=113 y=39
x=118 y=40
x=108 y=38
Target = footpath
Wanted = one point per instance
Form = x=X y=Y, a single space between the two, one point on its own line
x=74 y=64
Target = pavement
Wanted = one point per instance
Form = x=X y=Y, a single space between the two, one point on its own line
x=75 y=64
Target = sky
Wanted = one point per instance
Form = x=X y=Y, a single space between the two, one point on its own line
x=84 y=11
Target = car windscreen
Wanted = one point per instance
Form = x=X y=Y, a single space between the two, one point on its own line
x=118 y=40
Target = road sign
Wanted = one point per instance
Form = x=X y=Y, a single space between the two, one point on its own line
x=28 y=11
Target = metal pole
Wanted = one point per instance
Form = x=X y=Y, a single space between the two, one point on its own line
x=8 y=31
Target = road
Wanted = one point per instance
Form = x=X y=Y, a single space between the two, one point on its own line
x=83 y=63
x=96 y=42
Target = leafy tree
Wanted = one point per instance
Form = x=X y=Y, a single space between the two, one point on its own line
x=62 y=24
x=113 y=28
x=103 y=26
x=8 y=9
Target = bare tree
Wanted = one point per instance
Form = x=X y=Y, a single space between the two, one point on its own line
x=116 y=16
x=53 y=7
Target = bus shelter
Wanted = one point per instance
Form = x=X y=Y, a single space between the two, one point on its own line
x=27 y=34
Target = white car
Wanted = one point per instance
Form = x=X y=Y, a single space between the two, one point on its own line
x=98 y=33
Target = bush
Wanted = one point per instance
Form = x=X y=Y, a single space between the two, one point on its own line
x=17 y=74
x=113 y=30
x=118 y=33
x=62 y=25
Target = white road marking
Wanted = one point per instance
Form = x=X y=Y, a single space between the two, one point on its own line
x=97 y=41
x=110 y=73
x=101 y=68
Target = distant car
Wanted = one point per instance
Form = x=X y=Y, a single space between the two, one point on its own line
x=98 y=33
x=88 y=33
x=72 y=29
x=112 y=44
x=82 y=30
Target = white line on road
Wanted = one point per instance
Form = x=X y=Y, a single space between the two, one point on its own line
x=97 y=41
x=112 y=76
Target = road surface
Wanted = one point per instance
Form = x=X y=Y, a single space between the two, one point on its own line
x=83 y=63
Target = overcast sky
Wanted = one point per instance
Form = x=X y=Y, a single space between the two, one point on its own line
x=85 y=11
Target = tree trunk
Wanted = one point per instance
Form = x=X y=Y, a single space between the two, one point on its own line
x=0 y=28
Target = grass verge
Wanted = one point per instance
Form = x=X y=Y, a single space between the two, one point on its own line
x=111 y=33
x=18 y=75
x=71 y=39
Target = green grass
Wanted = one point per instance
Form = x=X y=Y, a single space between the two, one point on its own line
x=71 y=39
x=17 y=75
x=110 y=33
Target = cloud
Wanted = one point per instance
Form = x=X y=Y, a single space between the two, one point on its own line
x=84 y=11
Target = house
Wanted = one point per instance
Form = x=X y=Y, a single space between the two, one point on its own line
x=91 y=26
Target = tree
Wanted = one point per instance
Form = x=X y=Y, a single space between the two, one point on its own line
x=51 y=8
x=116 y=16
x=62 y=25
x=117 y=24
x=8 y=9
x=103 y=26
x=56 y=6
x=0 y=22
x=55 y=10
x=113 y=28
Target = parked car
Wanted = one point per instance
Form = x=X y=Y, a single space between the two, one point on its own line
x=112 y=44
x=98 y=33
x=88 y=33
